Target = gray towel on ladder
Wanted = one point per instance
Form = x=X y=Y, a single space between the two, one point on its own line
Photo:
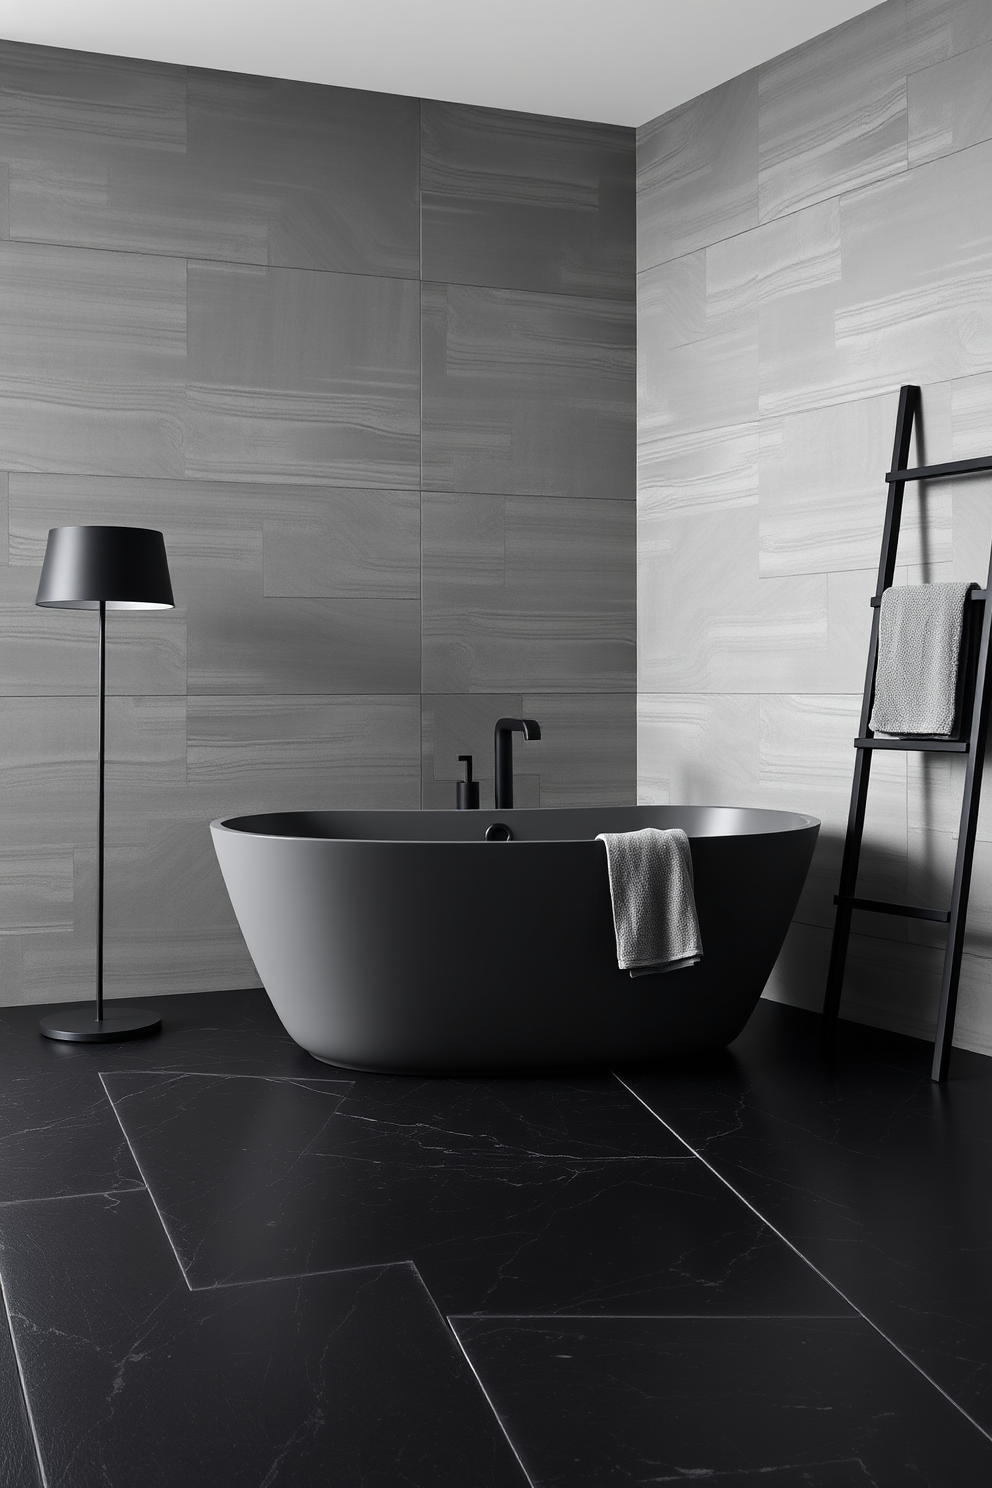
x=918 y=675
x=654 y=906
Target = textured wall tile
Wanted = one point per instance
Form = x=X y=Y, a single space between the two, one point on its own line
x=108 y=152
x=519 y=201
x=48 y=775
x=240 y=642
x=708 y=469
x=302 y=376
x=806 y=763
x=351 y=544
x=35 y=889
x=697 y=749
x=832 y=113
x=55 y=651
x=823 y=493
x=697 y=172
x=589 y=756
x=547 y=598
x=585 y=756
x=299 y=754
x=711 y=380
x=706 y=384
x=950 y=106
x=915 y=300
x=940 y=28
x=463 y=723
x=931 y=873
x=527 y=394
x=329 y=175
x=706 y=620
x=671 y=300
x=887 y=983
x=92 y=358
x=799 y=252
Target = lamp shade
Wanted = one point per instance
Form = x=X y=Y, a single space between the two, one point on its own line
x=124 y=568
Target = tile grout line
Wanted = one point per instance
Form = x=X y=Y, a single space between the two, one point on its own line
x=449 y=1330
x=648 y=1317
x=24 y=1389
x=805 y=1259
x=144 y=1180
x=486 y=1396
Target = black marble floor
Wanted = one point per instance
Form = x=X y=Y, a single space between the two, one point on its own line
x=224 y=1263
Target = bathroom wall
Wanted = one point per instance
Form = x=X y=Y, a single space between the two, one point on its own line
x=812 y=235
x=369 y=365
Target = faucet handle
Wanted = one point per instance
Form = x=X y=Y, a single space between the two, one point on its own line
x=467 y=790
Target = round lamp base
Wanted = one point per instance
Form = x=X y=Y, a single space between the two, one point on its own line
x=82 y=1026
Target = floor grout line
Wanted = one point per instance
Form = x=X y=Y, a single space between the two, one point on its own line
x=144 y=1179
x=656 y=1317
x=488 y=1399
x=806 y=1260
x=87 y=1193
x=24 y=1389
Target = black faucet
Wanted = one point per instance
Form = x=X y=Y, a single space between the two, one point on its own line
x=503 y=742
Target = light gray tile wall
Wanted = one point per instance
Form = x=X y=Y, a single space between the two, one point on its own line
x=798 y=260
x=398 y=496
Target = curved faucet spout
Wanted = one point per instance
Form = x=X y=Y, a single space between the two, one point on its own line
x=503 y=745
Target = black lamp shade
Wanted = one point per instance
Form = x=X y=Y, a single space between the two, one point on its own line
x=125 y=568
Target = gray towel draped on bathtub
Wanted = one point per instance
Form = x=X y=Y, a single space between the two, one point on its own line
x=654 y=905
x=919 y=673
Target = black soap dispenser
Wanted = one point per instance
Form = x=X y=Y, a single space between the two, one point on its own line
x=468 y=789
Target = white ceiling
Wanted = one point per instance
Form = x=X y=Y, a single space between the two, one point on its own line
x=617 y=61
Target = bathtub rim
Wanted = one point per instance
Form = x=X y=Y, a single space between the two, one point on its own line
x=767 y=821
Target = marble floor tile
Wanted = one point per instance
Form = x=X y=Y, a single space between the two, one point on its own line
x=131 y=1378
x=59 y=1135
x=18 y=1459
x=872 y=1172
x=782 y=1402
x=505 y=1195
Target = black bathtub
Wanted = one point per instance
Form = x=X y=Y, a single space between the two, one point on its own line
x=403 y=940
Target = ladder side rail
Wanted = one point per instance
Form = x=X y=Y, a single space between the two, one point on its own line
x=965 y=855
x=909 y=402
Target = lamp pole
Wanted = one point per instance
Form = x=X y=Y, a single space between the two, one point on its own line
x=101 y=732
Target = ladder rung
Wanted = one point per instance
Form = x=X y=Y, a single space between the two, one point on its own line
x=935 y=472
x=942 y=746
x=885 y=906
x=976 y=594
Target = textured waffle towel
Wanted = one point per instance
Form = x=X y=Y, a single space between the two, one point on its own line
x=654 y=907
x=917 y=688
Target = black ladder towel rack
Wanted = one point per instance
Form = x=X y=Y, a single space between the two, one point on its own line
x=973 y=734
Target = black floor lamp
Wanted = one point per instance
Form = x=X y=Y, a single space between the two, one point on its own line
x=103 y=568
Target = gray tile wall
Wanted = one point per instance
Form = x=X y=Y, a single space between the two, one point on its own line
x=810 y=236
x=369 y=364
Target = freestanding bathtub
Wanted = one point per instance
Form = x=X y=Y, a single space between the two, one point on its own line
x=404 y=940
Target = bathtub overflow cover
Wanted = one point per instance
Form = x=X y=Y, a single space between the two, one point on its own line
x=498 y=833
